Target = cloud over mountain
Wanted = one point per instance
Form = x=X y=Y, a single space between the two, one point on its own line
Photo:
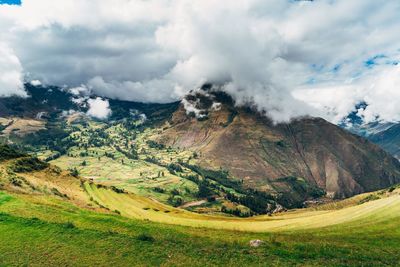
x=260 y=51
x=99 y=108
x=10 y=73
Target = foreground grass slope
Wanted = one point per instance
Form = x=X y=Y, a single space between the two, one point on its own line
x=40 y=230
x=137 y=207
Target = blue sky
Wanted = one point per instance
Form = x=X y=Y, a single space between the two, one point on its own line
x=10 y=2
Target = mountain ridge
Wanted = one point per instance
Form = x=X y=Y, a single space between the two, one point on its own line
x=281 y=150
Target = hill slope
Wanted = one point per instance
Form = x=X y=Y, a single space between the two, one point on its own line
x=291 y=158
x=48 y=218
x=388 y=139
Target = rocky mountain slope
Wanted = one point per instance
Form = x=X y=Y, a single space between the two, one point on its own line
x=388 y=139
x=285 y=158
x=384 y=134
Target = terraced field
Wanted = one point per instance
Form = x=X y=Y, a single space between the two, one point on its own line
x=138 y=177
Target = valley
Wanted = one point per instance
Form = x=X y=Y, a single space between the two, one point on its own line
x=82 y=222
x=199 y=133
x=179 y=190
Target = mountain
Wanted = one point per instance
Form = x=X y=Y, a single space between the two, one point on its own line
x=288 y=158
x=388 y=139
x=204 y=154
x=69 y=182
x=51 y=101
x=384 y=134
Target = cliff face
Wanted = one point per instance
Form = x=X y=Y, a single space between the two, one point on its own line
x=265 y=155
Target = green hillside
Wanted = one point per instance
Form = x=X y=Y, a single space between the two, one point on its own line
x=49 y=218
x=44 y=231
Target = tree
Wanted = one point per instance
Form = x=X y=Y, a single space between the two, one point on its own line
x=74 y=172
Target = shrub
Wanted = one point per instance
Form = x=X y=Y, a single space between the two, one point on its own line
x=29 y=164
x=175 y=200
x=69 y=225
x=146 y=238
x=58 y=193
x=172 y=168
x=16 y=182
x=74 y=172
x=204 y=191
x=7 y=152
x=117 y=190
x=154 y=144
x=175 y=192
x=368 y=198
x=159 y=190
x=211 y=198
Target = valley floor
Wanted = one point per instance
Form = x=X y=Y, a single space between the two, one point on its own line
x=40 y=230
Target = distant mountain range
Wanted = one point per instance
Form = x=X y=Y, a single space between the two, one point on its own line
x=384 y=134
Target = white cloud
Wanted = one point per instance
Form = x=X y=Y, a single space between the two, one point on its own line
x=99 y=108
x=380 y=90
x=10 y=73
x=161 y=91
x=260 y=51
x=36 y=82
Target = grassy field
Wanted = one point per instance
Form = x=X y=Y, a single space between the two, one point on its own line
x=136 y=176
x=138 y=207
x=45 y=231
x=54 y=219
x=96 y=154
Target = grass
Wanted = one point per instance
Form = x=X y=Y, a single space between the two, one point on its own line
x=138 y=207
x=36 y=231
x=138 y=177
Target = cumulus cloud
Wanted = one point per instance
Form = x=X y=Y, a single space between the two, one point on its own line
x=36 y=83
x=264 y=52
x=379 y=90
x=98 y=108
x=161 y=91
x=10 y=73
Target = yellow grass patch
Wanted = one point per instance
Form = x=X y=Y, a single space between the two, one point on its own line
x=21 y=126
x=138 y=207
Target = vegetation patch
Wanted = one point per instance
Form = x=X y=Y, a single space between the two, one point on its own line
x=4 y=198
x=29 y=164
x=146 y=237
x=369 y=198
x=298 y=191
x=6 y=153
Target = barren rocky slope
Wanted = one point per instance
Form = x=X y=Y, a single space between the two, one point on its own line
x=277 y=157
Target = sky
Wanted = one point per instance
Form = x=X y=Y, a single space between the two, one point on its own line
x=10 y=2
x=287 y=58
